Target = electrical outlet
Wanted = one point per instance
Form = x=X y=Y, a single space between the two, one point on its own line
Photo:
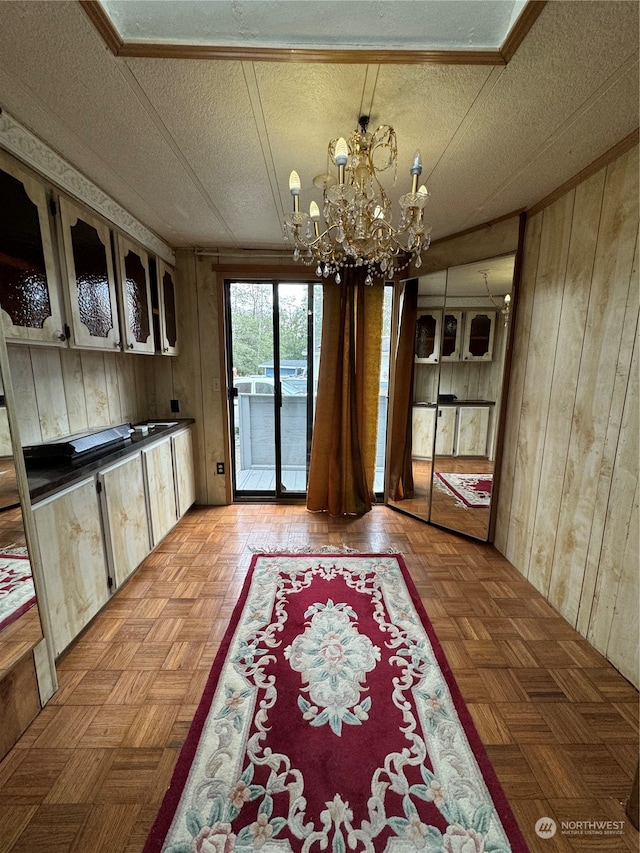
x=175 y=406
x=219 y=467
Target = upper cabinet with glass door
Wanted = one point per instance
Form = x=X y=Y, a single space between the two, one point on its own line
x=92 y=307
x=29 y=282
x=479 y=330
x=451 y=335
x=135 y=293
x=428 y=330
x=167 y=307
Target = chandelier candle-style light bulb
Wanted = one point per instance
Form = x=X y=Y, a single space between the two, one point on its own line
x=314 y=213
x=416 y=171
x=357 y=230
x=294 y=189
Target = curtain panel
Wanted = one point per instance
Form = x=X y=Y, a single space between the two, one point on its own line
x=399 y=464
x=343 y=451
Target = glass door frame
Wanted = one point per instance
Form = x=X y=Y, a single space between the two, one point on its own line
x=280 y=492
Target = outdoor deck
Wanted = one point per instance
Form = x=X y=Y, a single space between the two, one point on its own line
x=294 y=480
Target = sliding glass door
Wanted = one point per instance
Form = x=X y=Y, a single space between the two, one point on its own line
x=273 y=351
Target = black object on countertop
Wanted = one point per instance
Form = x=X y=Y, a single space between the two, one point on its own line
x=74 y=447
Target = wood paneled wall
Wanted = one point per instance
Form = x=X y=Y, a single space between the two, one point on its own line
x=60 y=392
x=568 y=501
x=196 y=377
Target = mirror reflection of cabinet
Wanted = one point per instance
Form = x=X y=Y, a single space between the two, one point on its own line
x=479 y=330
x=29 y=285
x=92 y=309
x=27 y=673
x=451 y=335
x=457 y=395
x=428 y=326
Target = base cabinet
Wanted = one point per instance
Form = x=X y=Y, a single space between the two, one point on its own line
x=185 y=482
x=160 y=487
x=74 y=559
x=423 y=428
x=124 y=515
x=94 y=534
x=473 y=431
x=446 y=431
x=459 y=431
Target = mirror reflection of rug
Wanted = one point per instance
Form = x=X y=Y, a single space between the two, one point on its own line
x=17 y=593
x=332 y=722
x=471 y=490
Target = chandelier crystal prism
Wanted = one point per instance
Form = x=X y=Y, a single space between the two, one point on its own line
x=357 y=230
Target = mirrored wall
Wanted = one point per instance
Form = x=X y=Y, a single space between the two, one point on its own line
x=20 y=627
x=461 y=338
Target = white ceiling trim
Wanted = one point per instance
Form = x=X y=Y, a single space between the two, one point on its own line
x=16 y=139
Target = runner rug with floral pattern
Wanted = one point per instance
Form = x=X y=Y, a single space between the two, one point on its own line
x=331 y=721
x=470 y=490
x=17 y=593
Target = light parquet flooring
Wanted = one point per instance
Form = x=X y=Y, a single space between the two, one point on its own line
x=559 y=723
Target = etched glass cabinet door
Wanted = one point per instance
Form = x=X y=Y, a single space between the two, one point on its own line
x=91 y=286
x=167 y=307
x=451 y=335
x=29 y=283
x=427 y=347
x=135 y=291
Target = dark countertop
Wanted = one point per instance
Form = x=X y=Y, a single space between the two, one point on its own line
x=455 y=403
x=46 y=480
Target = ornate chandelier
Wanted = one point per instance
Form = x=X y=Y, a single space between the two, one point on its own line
x=357 y=212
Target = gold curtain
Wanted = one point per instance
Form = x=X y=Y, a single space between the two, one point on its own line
x=399 y=462
x=343 y=452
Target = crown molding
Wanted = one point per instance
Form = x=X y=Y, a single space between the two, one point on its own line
x=17 y=140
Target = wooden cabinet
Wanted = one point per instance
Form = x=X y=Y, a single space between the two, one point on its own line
x=91 y=289
x=185 y=484
x=446 y=430
x=95 y=533
x=135 y=295
x=452 y=326
x=473 y=430
x=29 y=283
x=124 y=515
x=160 y=489
x=454 y=335
x=479 y=330
x=168 y=317
x=459 y=431
x=73 y=559
x=69 y=278
x=428 y=332
x=423 y=429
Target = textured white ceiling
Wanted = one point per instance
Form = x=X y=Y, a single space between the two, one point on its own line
x=467 y=280
x=201 y=150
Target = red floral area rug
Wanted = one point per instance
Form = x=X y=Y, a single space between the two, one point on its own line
x=331 y=721
x=471 y=490
x=17 y=593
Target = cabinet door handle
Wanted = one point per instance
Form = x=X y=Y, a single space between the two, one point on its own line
x=130 y=346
